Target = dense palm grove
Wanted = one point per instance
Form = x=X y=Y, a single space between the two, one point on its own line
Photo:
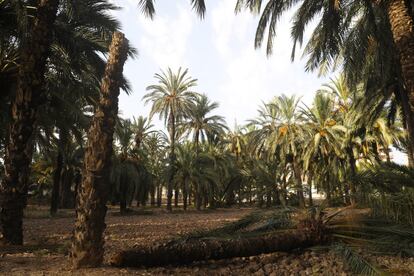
x=63 y=142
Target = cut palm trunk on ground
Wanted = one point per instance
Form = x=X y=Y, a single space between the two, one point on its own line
x=254 y=235
x=188 y=252
x=344 y=231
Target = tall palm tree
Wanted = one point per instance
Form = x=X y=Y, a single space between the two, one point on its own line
x=171 y=98
x=34 y=51
x=325 y=138
x=200 y=124
x=87 y=246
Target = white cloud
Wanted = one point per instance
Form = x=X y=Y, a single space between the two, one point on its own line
x=250 y=77
x=165 y=39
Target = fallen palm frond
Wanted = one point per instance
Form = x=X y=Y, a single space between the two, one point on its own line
x=358 y=264
x=258 y=222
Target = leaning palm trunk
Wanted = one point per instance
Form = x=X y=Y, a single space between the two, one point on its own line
x=215 y=249
x=30 y=81
x=402 y=27
x=87 y=245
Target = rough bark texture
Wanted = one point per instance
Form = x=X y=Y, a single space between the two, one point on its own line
x=402 y=27
x=198 y=250
x=87 y=244
x=34 y=53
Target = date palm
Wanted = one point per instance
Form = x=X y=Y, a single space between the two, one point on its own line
x=200 y=124
x=34 y=52
x=172 y=99
x=324 y=140
x=142 y=129
x=87 y=246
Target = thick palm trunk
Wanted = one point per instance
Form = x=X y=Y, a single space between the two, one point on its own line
x=185 y=194
x=199 y=250
x=402 y=27
x=34 y=53
x=170 y=183
x=87 y=245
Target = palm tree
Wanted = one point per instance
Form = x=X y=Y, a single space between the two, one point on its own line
x=200 y=124
x=171 y=98
x=87 y=246
x=325 y=138
x=34 y=52
x=290 y=137
x=142 y=129
x=155 y=149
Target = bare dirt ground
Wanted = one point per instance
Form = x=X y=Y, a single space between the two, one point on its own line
x=47 y=241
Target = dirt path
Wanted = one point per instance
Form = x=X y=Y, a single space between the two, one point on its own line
x=48 y=239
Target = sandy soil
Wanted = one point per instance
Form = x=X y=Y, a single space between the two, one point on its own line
x=48 y=239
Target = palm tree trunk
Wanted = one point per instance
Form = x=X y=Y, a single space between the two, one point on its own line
x=159 y=195
x=28 y=96
x=87 y=245
x=215 y=249
x=299 y=186
x=310 y=179
x=57 y=174
x=67 y=196
x=54 y=202
x=352 y=165
x=176 y=195
x=402 y=27
x=185 y=194
x=152 y=195
x=198 y=198
x=170 y=183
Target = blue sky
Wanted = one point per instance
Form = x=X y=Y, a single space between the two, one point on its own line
x=218 y=51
